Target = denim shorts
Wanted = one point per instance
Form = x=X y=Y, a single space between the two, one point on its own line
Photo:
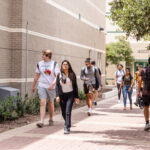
x=45 y=93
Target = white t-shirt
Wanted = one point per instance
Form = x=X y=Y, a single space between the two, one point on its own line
x=119 y=74
x=47 y=73
x=67 y=87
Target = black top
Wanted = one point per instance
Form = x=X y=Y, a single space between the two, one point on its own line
x=59 y=91
x=127 y=81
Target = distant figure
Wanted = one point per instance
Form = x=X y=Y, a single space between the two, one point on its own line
x=137 y=73
x=97 y=83
x=127 y=84
x=118 y=78
x=89 y=74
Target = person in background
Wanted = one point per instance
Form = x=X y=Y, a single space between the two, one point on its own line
x=137 y=73
x=127 y=84
x=118 y=79
x=66 y=92
x=89 y=74
x=46 y=72
x=97 y=83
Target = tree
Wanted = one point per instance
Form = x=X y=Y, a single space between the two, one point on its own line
x=132 y=16
x=119 y=51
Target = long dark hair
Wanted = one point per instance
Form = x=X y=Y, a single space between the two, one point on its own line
x=71 y=73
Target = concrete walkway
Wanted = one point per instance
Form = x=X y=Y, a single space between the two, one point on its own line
x=109 y=128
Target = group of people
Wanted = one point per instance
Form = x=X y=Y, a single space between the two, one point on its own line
x=61 y=83
x=124 y=82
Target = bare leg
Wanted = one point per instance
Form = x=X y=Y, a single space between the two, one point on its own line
x=51 y=109
x=146 y=113
x=42 y=109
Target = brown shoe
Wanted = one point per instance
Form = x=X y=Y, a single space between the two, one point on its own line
x=125 y=108
x=131 y=107
x=51 y=122
x=40 y=125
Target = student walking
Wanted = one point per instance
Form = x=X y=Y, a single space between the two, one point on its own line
x=137 y=74
x=118 y=78
x=89 y=75
x=97 y=83
x=66 y=92
x=127 y=84
x=145 y=77
x=46 y=72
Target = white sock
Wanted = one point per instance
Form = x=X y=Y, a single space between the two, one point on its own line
x=42 y=121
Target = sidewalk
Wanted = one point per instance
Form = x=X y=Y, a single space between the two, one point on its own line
x=109 y=128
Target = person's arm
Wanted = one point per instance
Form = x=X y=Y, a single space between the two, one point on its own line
x=121 y=85
x=37 y=75
x=139 y=85
x=57 y=89
x=115 y=78
x=57 y=71
x=76 y=91
x=82 y=75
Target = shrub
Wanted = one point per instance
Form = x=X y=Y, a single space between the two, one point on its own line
x=82 y=95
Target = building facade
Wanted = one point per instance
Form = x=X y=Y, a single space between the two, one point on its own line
x=71 y=29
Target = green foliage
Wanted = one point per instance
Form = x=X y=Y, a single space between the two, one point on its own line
x=118 y=51
x=82 y=95
x=132 y=16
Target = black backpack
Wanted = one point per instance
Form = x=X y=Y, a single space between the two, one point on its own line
x=147 y=79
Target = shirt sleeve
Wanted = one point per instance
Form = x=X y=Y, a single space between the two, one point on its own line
x=37 y=69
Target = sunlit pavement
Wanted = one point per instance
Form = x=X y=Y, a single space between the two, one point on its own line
x=109 y=128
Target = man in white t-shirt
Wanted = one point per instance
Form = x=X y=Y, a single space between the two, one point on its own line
x=46 y=72
x=118 y=78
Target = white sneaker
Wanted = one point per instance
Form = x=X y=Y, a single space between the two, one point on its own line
x=89 y=112
x=119 y=101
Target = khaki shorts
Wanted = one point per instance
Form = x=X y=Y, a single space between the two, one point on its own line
x=44 y=93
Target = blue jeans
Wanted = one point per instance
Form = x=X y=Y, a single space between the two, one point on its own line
x=129 y=93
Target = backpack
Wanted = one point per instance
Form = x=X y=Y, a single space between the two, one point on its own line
x=117 y=73
x=147 y=79
x=94 y=71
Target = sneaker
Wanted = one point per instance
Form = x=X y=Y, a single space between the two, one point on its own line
x=124 y=108
x=66 y=130
x=89 y=114
x=147 y=127
x=119 y=101
x=51 y=122
x=136 y=104
x=40 y=125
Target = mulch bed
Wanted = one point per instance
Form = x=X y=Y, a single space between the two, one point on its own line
x=27 y=119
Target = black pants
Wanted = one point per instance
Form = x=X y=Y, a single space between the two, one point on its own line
x=66 y=103
x=119 y=94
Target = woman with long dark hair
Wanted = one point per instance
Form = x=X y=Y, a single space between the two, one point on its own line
x=127 y=84
x=66 y=92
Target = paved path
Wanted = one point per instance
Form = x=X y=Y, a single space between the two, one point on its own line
x=109 y=128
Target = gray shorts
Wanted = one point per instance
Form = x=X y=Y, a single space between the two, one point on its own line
x=44 y=93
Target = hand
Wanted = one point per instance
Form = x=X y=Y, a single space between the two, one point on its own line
x=139 y=94
x=33 y=90
x=115 y=84
x=102 y=88
x=77 y=100
x=58 y=99
x=129 y=89
x=51 y=86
